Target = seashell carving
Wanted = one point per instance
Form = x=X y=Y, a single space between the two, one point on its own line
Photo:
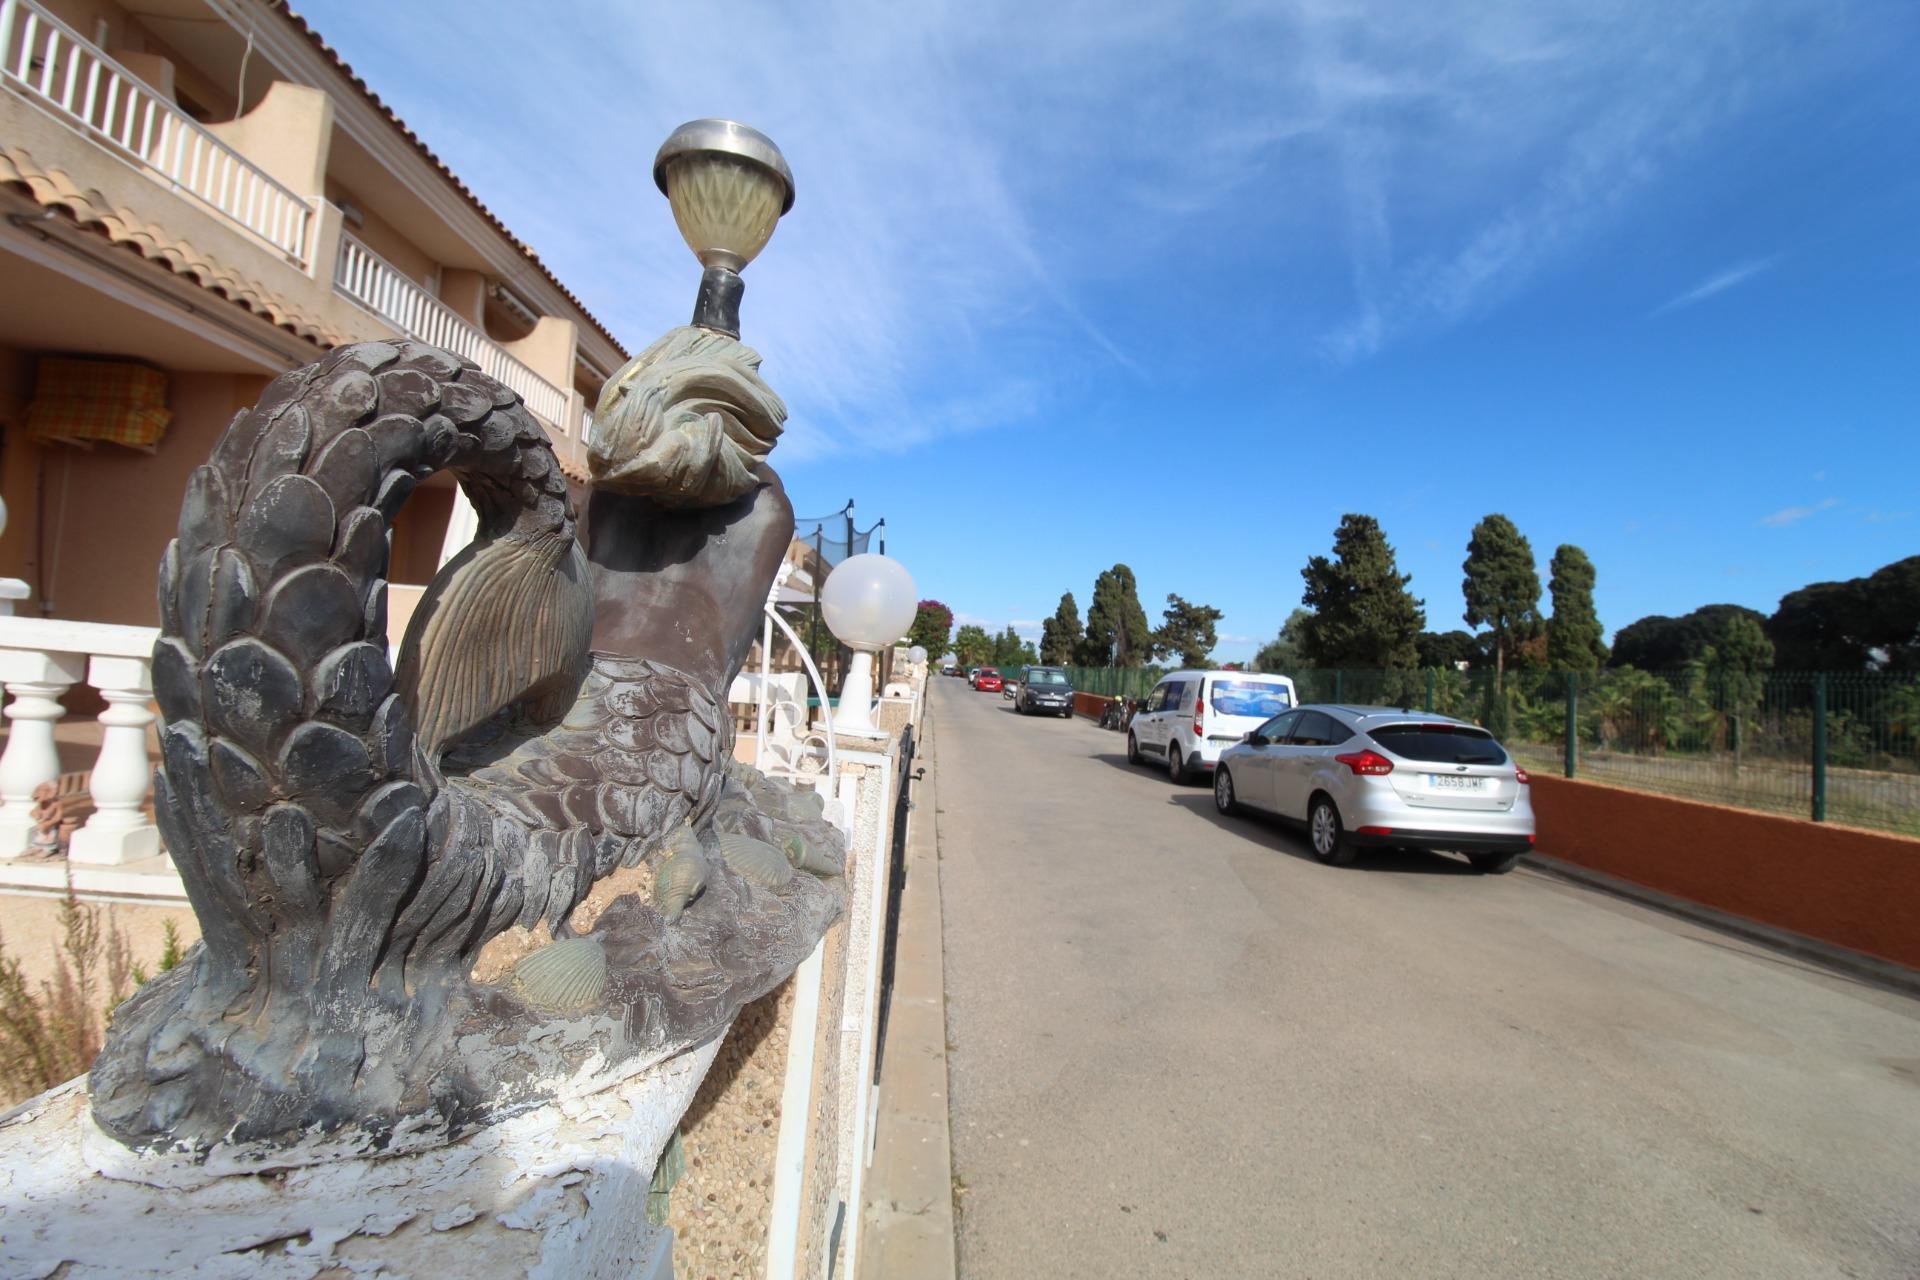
x=565 y=976
x=756 y=860
x=806 y=858
x=678 y=882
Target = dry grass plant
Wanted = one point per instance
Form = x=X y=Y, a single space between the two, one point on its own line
x=50 y=1035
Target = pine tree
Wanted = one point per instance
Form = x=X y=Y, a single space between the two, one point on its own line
x=1062 y=635
x=1363 y=614
x=1117 y=631
x=1187 y=633
x=1574 y=630
x=1502 y=588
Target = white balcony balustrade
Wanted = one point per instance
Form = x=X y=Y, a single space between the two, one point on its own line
x=380 y=287
x=39 y=661
x=51 y=64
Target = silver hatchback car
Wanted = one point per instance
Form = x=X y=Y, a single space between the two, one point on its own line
x=1373 y=777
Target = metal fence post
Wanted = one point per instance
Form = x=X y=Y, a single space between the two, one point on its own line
x=1820 y=747
x=1429 y=690
x=1573 y=720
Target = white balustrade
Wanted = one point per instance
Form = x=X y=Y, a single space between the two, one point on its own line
x=35 y=682
x=382 y=288
x=119 y=830
x=40 y=660
x=52 y=64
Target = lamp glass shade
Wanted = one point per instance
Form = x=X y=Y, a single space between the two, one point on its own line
x=917 y=654
x=726 y=206
x=868 y=601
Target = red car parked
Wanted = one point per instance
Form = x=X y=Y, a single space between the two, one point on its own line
x=988 y=681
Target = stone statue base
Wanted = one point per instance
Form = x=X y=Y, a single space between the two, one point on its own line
x=557 y=1191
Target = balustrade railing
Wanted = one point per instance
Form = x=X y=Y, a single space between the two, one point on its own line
x=48 y=61
x=40 y=660
x=380 y=287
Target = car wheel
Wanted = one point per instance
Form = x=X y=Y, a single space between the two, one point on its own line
x=1330 y=843
x=1223 y=791
x=1494 y=864
x=1176 y=763
x=1133 y=749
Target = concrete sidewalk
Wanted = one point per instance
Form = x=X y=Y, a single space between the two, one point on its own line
x=907 y=1220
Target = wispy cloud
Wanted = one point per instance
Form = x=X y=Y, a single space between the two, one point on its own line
x=1717 y=283
x=1002 y=204
x=1791 y=515
x=1527 y=131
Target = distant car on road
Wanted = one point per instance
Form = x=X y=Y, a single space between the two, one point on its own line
x=951 y=670
x=973 y=673
x=1044 y=691
x=1373 y=777
x=1192 y=716
x=988 y=681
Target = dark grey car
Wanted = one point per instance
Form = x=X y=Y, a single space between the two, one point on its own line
x=1044 y=691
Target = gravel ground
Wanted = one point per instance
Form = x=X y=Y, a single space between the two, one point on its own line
x=720 y=1211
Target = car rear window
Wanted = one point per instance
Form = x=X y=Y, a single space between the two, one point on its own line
x=1247 y=698
x=1439 y=743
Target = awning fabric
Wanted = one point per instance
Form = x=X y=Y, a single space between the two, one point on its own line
x=83 y=401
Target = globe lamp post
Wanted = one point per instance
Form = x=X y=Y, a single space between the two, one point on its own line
x=868 y=602
x=728 y=185
x=917 y=655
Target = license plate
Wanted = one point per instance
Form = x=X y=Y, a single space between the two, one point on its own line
x=1455 y=782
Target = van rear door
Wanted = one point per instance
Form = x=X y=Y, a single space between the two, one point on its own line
x=1234 y=705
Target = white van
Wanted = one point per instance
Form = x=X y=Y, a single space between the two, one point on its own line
x=1192 y=716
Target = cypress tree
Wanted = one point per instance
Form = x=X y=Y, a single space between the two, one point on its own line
x=1574 y=630
x=1502 y=588
x=1062 y=636
x=1117 y=631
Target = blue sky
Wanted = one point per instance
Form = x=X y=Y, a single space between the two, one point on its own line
x=1176 y=286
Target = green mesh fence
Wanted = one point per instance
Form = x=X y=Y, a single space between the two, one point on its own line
x=1836 y=747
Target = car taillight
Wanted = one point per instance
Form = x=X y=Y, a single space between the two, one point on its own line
x=1522 y=777
x=1199 y=712
x=1370 y=763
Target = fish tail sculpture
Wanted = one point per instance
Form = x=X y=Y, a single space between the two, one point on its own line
x=350 y=838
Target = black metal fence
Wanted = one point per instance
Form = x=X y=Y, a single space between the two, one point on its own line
x=1831 y=746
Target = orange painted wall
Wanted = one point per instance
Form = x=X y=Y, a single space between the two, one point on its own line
x=1844 y=885
x=110 y=511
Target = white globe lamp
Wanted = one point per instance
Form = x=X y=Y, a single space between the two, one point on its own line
x=917 y=655
x=868 y=602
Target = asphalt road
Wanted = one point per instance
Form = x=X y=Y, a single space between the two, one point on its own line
x=1180 y=1047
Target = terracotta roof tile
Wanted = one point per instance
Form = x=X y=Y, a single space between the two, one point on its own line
x=92 y=211
x=326 y=50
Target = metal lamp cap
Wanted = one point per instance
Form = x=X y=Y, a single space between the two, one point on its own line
x=724 y=137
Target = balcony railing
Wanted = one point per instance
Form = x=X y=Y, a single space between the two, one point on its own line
x=46 y=60
x=380 y=287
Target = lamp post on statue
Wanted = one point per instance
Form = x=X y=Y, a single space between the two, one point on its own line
x=868 y=603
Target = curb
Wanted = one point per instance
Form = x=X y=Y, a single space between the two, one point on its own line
x=907 y=1214
x=1886 y=974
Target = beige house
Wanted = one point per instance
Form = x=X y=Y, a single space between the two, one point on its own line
x=196 y=195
